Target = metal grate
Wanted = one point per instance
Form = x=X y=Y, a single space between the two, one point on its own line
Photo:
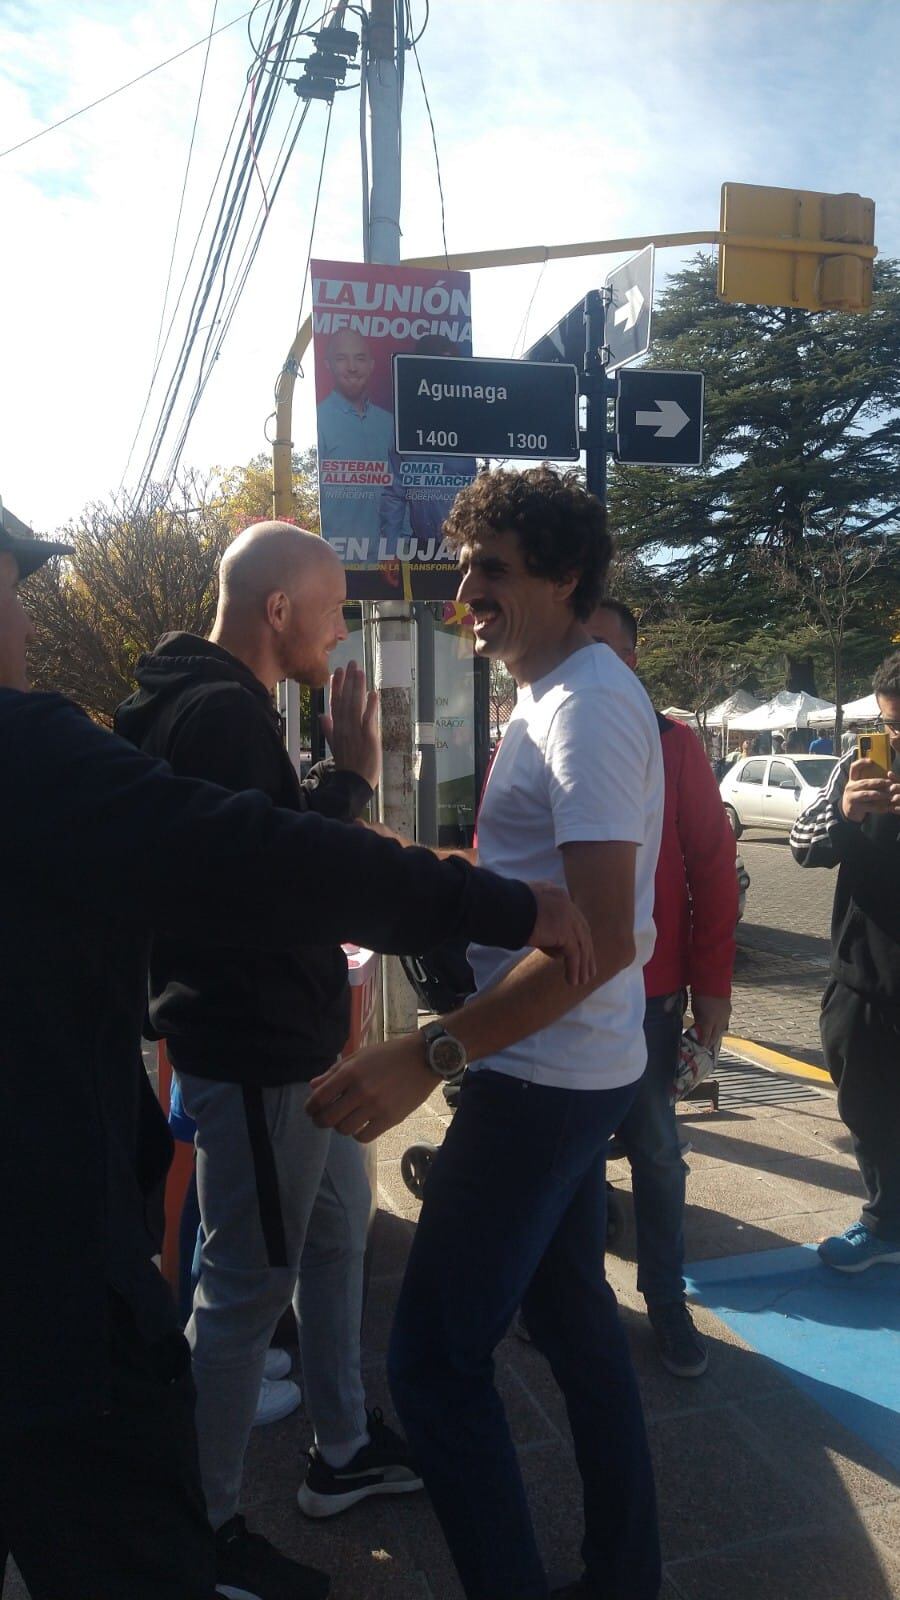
x=743 y=1083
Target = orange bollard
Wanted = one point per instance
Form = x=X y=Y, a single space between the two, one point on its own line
x=177 y=1181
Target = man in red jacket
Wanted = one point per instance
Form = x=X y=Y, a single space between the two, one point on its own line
x=695 y=911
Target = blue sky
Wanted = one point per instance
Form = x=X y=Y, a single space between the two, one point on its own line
x=557 y=120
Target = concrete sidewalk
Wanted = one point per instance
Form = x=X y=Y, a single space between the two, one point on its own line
x=762 y=1495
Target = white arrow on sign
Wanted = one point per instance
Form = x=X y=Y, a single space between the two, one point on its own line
x=668 y=419
x=631 y=310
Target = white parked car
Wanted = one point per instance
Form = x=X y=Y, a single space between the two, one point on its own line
x=771 y=791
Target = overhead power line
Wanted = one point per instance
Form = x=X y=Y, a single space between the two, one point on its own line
x=225 y=230
x=187 y=169
x=220 y=326
x=161 y=349
x=52 y=126
x=231 y=246
x=411 y=44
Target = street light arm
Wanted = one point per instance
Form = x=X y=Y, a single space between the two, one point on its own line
x=519 y=256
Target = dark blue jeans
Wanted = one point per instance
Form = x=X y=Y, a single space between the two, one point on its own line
x=515 y=1214
x=649 y=1134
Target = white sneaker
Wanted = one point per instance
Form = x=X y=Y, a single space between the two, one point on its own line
x=277 y=1399
x=278 y=1364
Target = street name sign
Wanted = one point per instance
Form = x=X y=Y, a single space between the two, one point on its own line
x=629 y=310
x=659 y=418
x=475 y=406
x=564 y=342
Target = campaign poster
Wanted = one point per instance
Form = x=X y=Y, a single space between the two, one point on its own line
x=383 y=513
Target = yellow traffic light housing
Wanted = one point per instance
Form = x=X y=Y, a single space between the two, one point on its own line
x=793 y=247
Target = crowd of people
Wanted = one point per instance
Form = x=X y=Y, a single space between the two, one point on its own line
x=176 y=877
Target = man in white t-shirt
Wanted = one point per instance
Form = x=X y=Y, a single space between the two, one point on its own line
x=514 y=1208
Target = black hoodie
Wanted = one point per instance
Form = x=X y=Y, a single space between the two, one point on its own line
x=100 y=848
x=239 y=1015
x=865 y=921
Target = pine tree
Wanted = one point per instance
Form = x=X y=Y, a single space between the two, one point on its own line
x=802 y=441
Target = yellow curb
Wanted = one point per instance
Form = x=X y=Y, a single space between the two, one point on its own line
x=775 y=1061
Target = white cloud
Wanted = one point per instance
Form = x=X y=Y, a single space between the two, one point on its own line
x=560 y=121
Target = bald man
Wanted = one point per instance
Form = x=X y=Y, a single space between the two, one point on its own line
x=355 y=441
x=246 y=1031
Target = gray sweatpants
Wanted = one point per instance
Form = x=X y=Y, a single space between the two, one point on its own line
x=285 y=1208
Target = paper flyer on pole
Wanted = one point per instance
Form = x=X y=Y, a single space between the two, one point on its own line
x=383 y=513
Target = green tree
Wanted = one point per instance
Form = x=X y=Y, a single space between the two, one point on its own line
x=245 y=493
x=690 y=662
x=802 y=436
x=137 y=574
x=502 y=696
x=823 y=574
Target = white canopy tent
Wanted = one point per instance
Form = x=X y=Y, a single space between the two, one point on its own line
x=864 y=710
x=678 y=715
x=737 y=705
x=785 y=710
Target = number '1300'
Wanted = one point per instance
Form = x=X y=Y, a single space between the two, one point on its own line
x=527 y=441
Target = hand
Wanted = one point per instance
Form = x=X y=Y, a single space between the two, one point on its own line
x=712 y=1014
x=351 y=727
x=561 y=931
x=868 y=792
x=372 y=1090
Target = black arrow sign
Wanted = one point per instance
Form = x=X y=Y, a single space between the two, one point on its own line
x=659 y=418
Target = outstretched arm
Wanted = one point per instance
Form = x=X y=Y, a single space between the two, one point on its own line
x=379 y=1086
x=103 y=823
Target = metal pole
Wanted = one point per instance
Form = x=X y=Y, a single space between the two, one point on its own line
x=593 y=385
x=383 y=86
x=393 y=642
x=426 y=752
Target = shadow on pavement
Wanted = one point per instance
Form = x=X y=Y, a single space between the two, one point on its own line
x=755 y=966
x=747 y=1153
x=764 y=940
x=763 y=1495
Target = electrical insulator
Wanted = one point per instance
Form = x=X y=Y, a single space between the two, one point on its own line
x=339 y=40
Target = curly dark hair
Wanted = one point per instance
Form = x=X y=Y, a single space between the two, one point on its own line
x=562 y=529
x=887 y=678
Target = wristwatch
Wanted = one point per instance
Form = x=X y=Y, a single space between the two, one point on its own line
x=445 y=1055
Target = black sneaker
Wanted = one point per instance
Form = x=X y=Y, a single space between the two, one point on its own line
x=681 y=1349
x=383 y=1466
x=248 y=1567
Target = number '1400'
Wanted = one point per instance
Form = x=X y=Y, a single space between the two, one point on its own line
x=438 y=438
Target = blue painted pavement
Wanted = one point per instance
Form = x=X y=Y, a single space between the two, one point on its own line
x=837 y=1336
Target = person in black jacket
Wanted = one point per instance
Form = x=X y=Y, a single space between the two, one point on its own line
x=99 y=848
x=854 y=824
x=284 y=1206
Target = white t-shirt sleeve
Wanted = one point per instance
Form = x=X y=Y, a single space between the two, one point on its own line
x=597 y=756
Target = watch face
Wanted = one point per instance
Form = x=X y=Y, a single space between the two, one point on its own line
x=447 y=1056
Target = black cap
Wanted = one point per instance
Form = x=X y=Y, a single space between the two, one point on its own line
x=19 y=540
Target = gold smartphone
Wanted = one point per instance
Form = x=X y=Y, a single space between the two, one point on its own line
x=875 y=747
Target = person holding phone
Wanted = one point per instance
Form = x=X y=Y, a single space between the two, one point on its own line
x=854 y=824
